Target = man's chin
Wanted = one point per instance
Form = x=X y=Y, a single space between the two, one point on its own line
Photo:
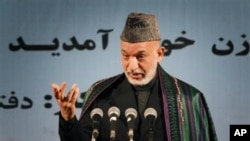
x=137 y=82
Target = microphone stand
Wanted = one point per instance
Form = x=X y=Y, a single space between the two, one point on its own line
x=150 y=114
x=113 y=113
x=150 y=135
x=95 y=134
x=131 y=115
x=131 y=135
x=96 y=115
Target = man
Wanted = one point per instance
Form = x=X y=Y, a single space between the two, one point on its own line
x=180 y=110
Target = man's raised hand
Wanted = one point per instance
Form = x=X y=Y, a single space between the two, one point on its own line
x=66 y=102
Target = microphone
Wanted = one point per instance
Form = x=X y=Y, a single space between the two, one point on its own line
x=131 y=115
x=113 y=114
x=96 y=116
x=150 y=115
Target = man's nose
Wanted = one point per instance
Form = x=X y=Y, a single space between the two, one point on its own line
x=132 y=64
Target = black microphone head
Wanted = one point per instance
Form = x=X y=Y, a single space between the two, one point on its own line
x=96 y=111
x=131 y=111
x=114 y=111
x=150 y=111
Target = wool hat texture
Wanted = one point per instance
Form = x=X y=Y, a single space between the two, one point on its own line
x=140 y=27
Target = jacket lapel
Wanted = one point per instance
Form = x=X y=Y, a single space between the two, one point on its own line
x=170 y=107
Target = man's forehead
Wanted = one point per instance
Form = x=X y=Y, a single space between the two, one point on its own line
x=140 y=45
x=134 y=46
x=136 y=49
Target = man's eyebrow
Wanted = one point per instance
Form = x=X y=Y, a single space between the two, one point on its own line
x=139 y=52
x=123 y=51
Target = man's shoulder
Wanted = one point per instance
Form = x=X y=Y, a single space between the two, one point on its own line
x=170 y=79
x=185 y=84
x=103 y=83
x=180 y=84
x=106 y=80
x=99 y=86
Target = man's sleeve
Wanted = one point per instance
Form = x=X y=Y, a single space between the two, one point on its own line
x=66 y=127
x=73 y=130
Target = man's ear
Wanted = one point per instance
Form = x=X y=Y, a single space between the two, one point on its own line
x=161 y=51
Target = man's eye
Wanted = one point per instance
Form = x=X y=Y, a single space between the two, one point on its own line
x=139 y=57
x=125 y=56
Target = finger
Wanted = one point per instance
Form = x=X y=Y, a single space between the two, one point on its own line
x=54 y=86
x=63 y=86
x=71 y=93
x=55 y=89
x=62 y=90
x=75 y=95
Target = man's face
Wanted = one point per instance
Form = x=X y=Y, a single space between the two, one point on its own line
x=140 y=60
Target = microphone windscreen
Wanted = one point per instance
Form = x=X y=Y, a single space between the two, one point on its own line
x=131 y=111
x=96 y=111
x=150 y=111
x=114 y=111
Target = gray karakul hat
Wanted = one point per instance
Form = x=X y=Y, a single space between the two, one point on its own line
x=140 y=27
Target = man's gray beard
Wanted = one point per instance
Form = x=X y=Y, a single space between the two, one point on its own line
x=148 y=77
